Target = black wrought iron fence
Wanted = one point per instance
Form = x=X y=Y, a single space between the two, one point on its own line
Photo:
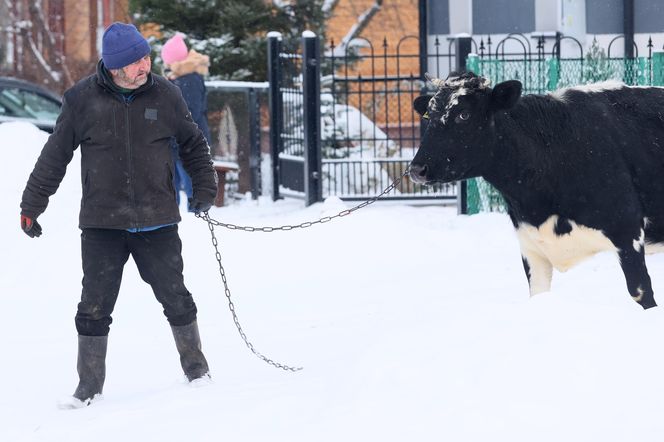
x=368 y=130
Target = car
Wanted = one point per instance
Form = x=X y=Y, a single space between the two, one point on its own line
x=21 y=100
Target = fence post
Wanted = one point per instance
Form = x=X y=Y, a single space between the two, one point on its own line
x=276 y=107
x=423 y=35
x=254 y=144
x=628 y=28
x=313 y=191
x=424 y=55
x=463 y=47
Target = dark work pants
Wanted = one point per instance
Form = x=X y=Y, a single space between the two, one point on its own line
x=158 y=256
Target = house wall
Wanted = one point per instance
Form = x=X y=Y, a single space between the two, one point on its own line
x=503 y=16
x=75 y=25
x=584 y=20
x=393 y=29
x=524 y=16
x=606 y=16
x=438 y=17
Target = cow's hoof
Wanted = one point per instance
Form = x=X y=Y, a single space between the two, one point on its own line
x=648 y=304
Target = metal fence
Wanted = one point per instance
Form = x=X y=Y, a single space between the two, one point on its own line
x=542 y=71
x=235 y=112
x=342 y=122
x=367 y=133
x=370 y=132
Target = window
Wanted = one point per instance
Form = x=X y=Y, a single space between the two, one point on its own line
x=15 y=102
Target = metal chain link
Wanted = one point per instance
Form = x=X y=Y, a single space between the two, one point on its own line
x=306 y=224
x=211 y=223
x=231 y=306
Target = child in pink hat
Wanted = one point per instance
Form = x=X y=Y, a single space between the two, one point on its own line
x=186 y=69
x=174 y=50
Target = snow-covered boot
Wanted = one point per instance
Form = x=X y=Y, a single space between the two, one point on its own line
x=91 y=367
x=188 y=343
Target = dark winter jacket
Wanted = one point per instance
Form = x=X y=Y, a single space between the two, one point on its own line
x=126 y=164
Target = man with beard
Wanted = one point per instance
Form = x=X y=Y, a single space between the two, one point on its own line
x=124 y=118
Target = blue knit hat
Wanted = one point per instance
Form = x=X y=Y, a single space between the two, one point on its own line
x=122 y=45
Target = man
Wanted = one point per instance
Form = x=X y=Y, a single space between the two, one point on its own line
x=124 y=118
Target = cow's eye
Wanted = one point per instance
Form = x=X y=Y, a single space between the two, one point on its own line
x=464 y=116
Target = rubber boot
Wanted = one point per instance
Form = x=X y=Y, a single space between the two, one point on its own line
x=188 y=343
x=91 y=367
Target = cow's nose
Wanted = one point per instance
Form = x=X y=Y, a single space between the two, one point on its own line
x=418 y=173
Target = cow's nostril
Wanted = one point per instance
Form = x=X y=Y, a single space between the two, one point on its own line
x=417 y=172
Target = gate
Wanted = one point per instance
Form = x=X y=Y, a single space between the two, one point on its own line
x=342 y=122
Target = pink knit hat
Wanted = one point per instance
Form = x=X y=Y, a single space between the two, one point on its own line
x=174 y=50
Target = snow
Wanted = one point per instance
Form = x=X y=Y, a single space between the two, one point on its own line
x=411 y=323
x=227 y=84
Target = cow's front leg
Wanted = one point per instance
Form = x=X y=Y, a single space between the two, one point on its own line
x=538 y=271
x=631 y=252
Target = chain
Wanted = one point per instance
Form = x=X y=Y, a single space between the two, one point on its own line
x=231 y=306
x=306 y=224
x=211 y=223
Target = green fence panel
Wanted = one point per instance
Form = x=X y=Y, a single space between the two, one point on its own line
x=658 y=69
x=482 y=197
x=473 y=63
x=553 y=76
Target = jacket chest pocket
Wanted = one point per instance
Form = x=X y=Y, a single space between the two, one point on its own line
x=102 y=125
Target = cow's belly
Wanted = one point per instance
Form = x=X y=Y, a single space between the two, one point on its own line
x=652 y=248
x=562 y=251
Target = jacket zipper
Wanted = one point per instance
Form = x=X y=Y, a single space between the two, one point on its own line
x=130 y=179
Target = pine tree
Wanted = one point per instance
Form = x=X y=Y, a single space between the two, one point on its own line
x=597 y=65
x=232 y=32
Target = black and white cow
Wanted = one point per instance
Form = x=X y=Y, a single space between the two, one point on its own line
x=581 y=169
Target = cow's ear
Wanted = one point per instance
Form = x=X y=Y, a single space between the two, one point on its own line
x=421 y=104
x=505 y=94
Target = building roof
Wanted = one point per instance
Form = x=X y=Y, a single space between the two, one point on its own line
x=392 y=29
x=395 y=23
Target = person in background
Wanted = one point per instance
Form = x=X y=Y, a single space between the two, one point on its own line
x=123 y=118
x=187 y=69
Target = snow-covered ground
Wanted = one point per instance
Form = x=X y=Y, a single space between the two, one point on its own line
x=411 y=323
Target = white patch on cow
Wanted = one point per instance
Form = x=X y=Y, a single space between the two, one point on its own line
x=433 y=104
x=640 y=292
x=561 y=251
x=437 y=82
x=640 y=241
x=463 y=82
x=453 y=101
x=656 y=247
x=588 y=88
x=457 y=83
x=540 y=274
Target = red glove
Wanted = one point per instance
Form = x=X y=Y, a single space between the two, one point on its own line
x=30 y=226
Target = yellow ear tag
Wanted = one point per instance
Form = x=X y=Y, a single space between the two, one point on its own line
x=426 y=115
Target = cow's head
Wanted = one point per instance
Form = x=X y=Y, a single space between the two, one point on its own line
x=460 y=137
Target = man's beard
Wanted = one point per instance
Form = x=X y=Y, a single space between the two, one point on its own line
x=130 y=83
